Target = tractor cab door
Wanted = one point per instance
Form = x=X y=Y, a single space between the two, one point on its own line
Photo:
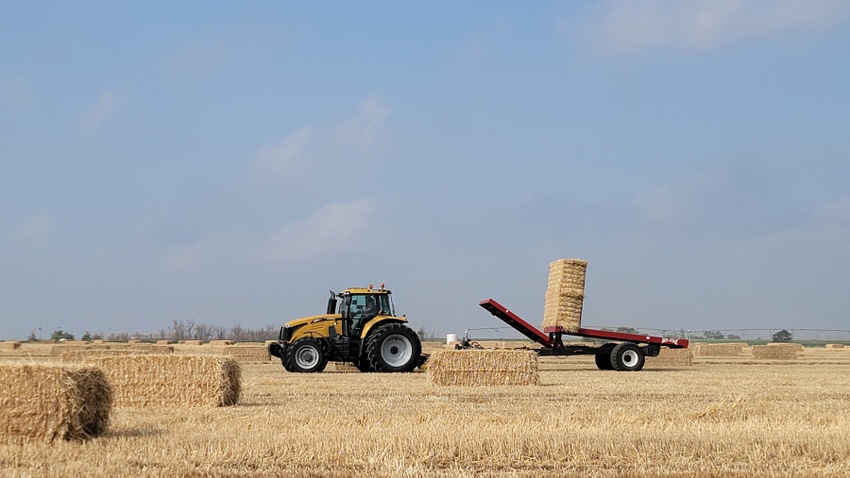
x=356 y=310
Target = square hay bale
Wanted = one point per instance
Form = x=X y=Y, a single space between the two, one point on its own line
x=220 y=343
x=720 y=350
x=133 y=341
x=776 y=352
x=168 y=379
x=834 y=346
x=565 y=294
x=46 y=402
x=483 y=367
x=672 y=358
x=10 y=345
x=345 y=367
x=191 y=342
x=163 y=342
x=79 y=356
x=799 y=347
x=247 y=353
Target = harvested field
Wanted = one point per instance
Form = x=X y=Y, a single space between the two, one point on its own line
x=723 y=416
x=483 y=367
x=155 y=380
x=49 y=402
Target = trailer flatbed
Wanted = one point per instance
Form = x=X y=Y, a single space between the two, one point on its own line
x=624 y=354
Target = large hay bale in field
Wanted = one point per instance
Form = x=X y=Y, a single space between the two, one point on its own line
x=776 y=352
x=247 y=353
x=10 y=345
x=191 y=342
x=798 y=347
x=720 y=350
x=78 y=356
x=834 y=346
x=46 y=402
x=163 y=342
x=154 y=380
x=483 y=367
x=220 y=343
x=565 y=294
x=672 y=358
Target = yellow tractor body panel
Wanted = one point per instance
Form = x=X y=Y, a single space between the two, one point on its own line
x=315 y=326
x=381 y=319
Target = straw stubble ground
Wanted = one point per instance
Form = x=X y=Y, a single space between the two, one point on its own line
x=717 y=419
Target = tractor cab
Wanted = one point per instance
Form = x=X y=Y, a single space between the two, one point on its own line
x=357 y=306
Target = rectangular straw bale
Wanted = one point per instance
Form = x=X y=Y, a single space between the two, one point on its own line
x=247 y=353
x=191 y=342
x=163 y=342
x=720 y=350
x=346 y=367
x=483 y=367
x=835 y=346
x=776 y=352
x=48 y=402
x=565 y=294
x=220 y=343
x=799 y=347
x=10 y=345
x=157 y=379
x=672 y=357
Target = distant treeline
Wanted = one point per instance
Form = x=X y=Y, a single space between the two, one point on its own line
x=179 y=330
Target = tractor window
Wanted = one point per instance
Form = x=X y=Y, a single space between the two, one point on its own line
x=385 y=305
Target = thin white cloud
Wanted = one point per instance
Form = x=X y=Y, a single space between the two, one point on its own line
x=361 y=138
x=625 y=26
x=94 y=117
x=332 y=229
x=36 y=232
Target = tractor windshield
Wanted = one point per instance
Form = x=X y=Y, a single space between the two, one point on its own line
x=367 y=305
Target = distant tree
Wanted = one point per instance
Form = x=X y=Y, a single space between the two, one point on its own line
x=86 y=336
x=421 y=333
x=783 y=336
x=627 y=330
x=60 y=334
x=32 y=337
x=712 y=334
x=733 y=337
x=97 y=337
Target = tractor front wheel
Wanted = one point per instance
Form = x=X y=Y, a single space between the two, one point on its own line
x=306 y=355
x=393 y=348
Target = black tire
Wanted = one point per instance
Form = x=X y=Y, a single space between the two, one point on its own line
x=627 y=357
x=603 y=358
x=393 y=348
x=363 y=365
x=306 y=355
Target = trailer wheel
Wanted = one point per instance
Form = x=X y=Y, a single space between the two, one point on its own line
x=627 y=357
x=393 y=347
x=306 y=355
x=603 y=358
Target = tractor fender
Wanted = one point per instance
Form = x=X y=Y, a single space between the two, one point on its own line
x=375 y=323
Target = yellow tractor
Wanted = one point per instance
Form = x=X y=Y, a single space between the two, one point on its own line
x=360 y=326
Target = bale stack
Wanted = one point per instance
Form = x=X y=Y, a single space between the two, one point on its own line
x=76 y=353
x=46 y=402
x=191 y=342
x=799 y=347
x=247 y=353
x=483 y=367
x=155 y=380
x=220 y=343
x=834 y=346
x=672 y=358
x=776 y=352
x=720 y=350
x=565 y=294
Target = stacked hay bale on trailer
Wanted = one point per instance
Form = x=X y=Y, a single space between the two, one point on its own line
x=565 y=294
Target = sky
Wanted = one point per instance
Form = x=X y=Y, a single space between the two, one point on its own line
x=230 y=162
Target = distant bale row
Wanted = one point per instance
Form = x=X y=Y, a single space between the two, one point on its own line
x=107 y=349
x=154 y=380
x=719 y=350
x=10 y=345
x=672 y=358
x=46 y=402
x=483 y=367
x=776 y=352
x=835 y=346
x=191 y=342
x=346 y=367
x=247 y=353
x=565 y=294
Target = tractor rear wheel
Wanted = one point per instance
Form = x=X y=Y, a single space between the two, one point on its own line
x=627 y=357
x=306 y=355
x=393 y=347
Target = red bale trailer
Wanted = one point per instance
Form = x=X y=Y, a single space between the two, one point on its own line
x=626 y=354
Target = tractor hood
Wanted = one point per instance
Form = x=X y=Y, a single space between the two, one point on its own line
x=308 y=320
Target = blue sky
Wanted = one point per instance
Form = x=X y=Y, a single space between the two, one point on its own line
x=229 y=163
